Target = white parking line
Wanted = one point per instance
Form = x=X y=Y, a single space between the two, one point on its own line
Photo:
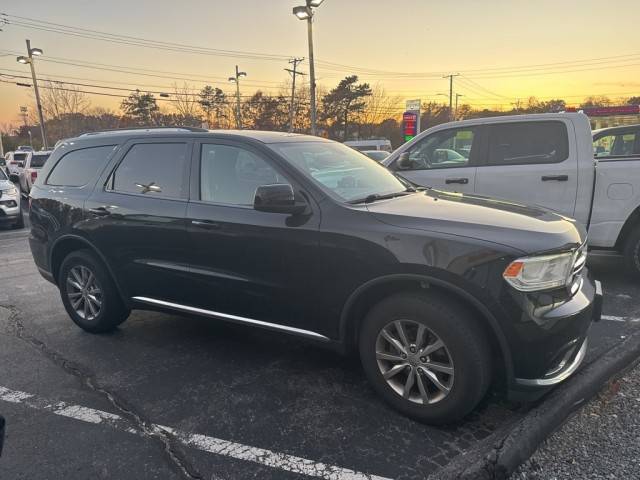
x=614 y=318
x=204 y=443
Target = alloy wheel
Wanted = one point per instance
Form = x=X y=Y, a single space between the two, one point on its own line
x=84 y=292
x=414 y=362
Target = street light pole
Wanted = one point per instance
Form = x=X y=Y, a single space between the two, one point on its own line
x=458 y=95
x=30 y=52
x=306 y=13
x=236 y=79
x=312 y=74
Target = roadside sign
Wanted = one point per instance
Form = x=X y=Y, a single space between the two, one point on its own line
x=412 y=105
x=410 y=122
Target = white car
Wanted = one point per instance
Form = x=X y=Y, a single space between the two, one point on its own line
x=34 y=162
x=10 y=212
x=15 y=161
x=539 y=159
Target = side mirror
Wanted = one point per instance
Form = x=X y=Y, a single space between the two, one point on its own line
x=14 y=178
x=277 y=198
x=403 y=162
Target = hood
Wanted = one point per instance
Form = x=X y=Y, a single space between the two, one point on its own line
x=530 y=229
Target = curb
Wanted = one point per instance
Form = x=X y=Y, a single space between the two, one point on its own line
x=501 y=453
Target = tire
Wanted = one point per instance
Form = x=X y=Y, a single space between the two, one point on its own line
x=631 y=252
x=104 y=308
x=466 y=349
x=20 y=222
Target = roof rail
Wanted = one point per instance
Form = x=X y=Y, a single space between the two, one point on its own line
x=129 y=129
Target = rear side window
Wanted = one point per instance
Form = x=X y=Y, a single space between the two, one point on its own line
x=623 y=144
x=37 y=161
x=76 y=168
x=153 y=169
x=525 y=143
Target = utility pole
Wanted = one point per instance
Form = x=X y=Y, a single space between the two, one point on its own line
x=312 y=73
x=455 y=115
x=293 y=71
x=236 y=79
x=450 y=77
x=23 y=114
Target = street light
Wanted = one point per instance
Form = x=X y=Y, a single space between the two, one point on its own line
x=305 y=12
x=236 y=79
x=31 y=61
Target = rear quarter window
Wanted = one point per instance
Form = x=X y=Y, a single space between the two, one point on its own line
x=525 y=143
x=78 y=167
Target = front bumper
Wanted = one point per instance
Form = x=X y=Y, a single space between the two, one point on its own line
x=9 y=213
x=556 y=342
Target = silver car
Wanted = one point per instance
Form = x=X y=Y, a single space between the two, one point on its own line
x=10 y=212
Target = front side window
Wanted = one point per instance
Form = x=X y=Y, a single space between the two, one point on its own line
x=524 y=143
x=153 y=169
x=617 y=145
x=340 y=170
x=231 y=175
x=78 y=167
x=445 y=149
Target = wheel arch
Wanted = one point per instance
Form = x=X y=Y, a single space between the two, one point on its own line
x=361 y=300
x=632 y=222
x=66 y=244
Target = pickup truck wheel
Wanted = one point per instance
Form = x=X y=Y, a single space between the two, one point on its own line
x=425 y=356
x=88 y=293
x=632 y=252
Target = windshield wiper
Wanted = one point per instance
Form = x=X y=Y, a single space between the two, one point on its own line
x=377 y=196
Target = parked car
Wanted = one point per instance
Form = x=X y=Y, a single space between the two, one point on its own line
x=372 y=144
x=33 y=163
x=617 y=143
x=15 y=161
x=441 y=294
x=10 y=210
x=377 y=155
x=542 y=159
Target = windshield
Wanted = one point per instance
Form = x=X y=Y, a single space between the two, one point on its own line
x=37 y=160
x=19 y=156
x=340 y=170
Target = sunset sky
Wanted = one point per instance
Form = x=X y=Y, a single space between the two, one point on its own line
x=504 y=49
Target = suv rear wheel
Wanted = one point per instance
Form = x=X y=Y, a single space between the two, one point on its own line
x=425 y=356
x=632 y=252
x=89 y=294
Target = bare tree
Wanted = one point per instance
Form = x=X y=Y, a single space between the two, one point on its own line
x=378 y=107
x=59 y=99
x=185 y=101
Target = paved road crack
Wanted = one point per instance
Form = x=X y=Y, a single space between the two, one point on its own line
x=175 y=457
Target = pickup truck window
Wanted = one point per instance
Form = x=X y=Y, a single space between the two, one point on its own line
x=445 y=149
x=525 y=143
x=622 y=144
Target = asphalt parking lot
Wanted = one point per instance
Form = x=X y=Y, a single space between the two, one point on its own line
x=172 y=397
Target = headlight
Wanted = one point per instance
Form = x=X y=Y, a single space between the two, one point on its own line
x=531 y=274
x=10 y=191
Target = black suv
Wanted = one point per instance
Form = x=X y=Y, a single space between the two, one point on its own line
x=442 y=294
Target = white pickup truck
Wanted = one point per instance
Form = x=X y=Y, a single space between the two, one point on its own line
x=542 y=159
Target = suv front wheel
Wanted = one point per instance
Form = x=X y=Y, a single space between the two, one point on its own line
x=89 y=294
x=427 y=357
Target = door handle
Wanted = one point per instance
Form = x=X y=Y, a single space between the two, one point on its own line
x=462 y=181
x=207 y=224
x=557 y=178
x=100 y=211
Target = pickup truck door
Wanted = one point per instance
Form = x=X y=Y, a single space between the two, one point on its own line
x=444 y=160
x=531 y=162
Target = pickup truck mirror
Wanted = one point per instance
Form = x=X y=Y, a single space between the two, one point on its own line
x=277 y=198
x=403 y=162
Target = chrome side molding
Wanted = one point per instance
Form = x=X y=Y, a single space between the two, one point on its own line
x=232 y=318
